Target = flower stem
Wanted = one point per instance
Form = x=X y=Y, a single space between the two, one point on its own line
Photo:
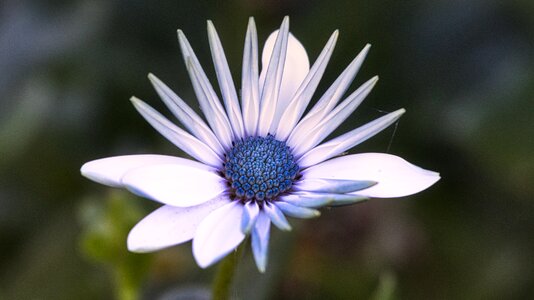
x=225 y=273
x=125 y=289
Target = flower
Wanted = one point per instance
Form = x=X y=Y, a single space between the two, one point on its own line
x=258 y=160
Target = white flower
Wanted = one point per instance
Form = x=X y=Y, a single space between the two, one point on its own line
x=258 y=159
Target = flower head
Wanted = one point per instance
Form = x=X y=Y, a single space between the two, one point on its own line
x=258 y=158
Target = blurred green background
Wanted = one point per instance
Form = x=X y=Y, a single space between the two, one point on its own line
x=464 y=71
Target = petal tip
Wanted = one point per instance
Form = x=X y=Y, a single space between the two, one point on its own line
x=203 y=263
x=87 y=172
x=434 y=174
x=93 y=171
x=135 y=100
x=181 y=38
x=206 y=261
x=287 y=228
x=84 y=169
x=134 y=246
x=261 y=268
x=211 y=27
x=152 y=77
x=130 y=245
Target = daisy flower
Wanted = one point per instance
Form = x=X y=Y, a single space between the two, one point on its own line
x=258 y=158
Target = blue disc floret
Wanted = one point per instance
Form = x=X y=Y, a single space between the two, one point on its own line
x=259 y=168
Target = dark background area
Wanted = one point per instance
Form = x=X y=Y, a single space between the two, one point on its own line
x=463 y=70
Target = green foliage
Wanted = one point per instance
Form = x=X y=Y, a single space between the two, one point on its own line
x=386 y=287
x=106 y=223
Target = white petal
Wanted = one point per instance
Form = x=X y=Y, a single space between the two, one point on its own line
x=395 y=176
x=270 y=89
x=276 y=216
x=187 y=116
x=110 y=170
x=226 y=83
x=218 y=234
x=342 y=83
x=296 y=67
x=169 y=225
x=209 y=102
x=332 y=121
x=179 y=137
x=313 y=199
x=328 y=101
x=297 y=211
x=174 y=184
x=250 y=99
x=302 y=199
x=291 y=115
x=337 y=186
x=260 y=241
x=348 y=140
x=250 y=213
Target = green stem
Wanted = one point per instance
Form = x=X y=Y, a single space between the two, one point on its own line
x=125 y=288
x=225 y=273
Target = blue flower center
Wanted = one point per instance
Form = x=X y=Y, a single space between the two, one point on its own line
x=259 y=168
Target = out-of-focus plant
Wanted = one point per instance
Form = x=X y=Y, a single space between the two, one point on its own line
x=105 y=228
x=385 y=290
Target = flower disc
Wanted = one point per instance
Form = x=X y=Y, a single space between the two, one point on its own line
x=259 y=168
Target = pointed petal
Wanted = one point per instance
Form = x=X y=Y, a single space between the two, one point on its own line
x=169 y=225
x=276 y=216
x=348 y=140
x=250 y=99
x=342 y=83
x=333 y=119
x=174 y=184
x=328 y=101
x=291 y=115
x=187 y=116
x=297 y=211
x=183 y=140
x=218 y=234
x=306 y=199
x=270 y=90
x=395 y=176
x=260 y=241
x=296 y=67
x=336 y=186
x=209 y=102
x=250 y=213
x=110 y=170
x=226 y=83
x=313 y=199
x=344 y=201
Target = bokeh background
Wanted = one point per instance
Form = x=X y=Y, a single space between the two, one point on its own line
x=464 y=71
